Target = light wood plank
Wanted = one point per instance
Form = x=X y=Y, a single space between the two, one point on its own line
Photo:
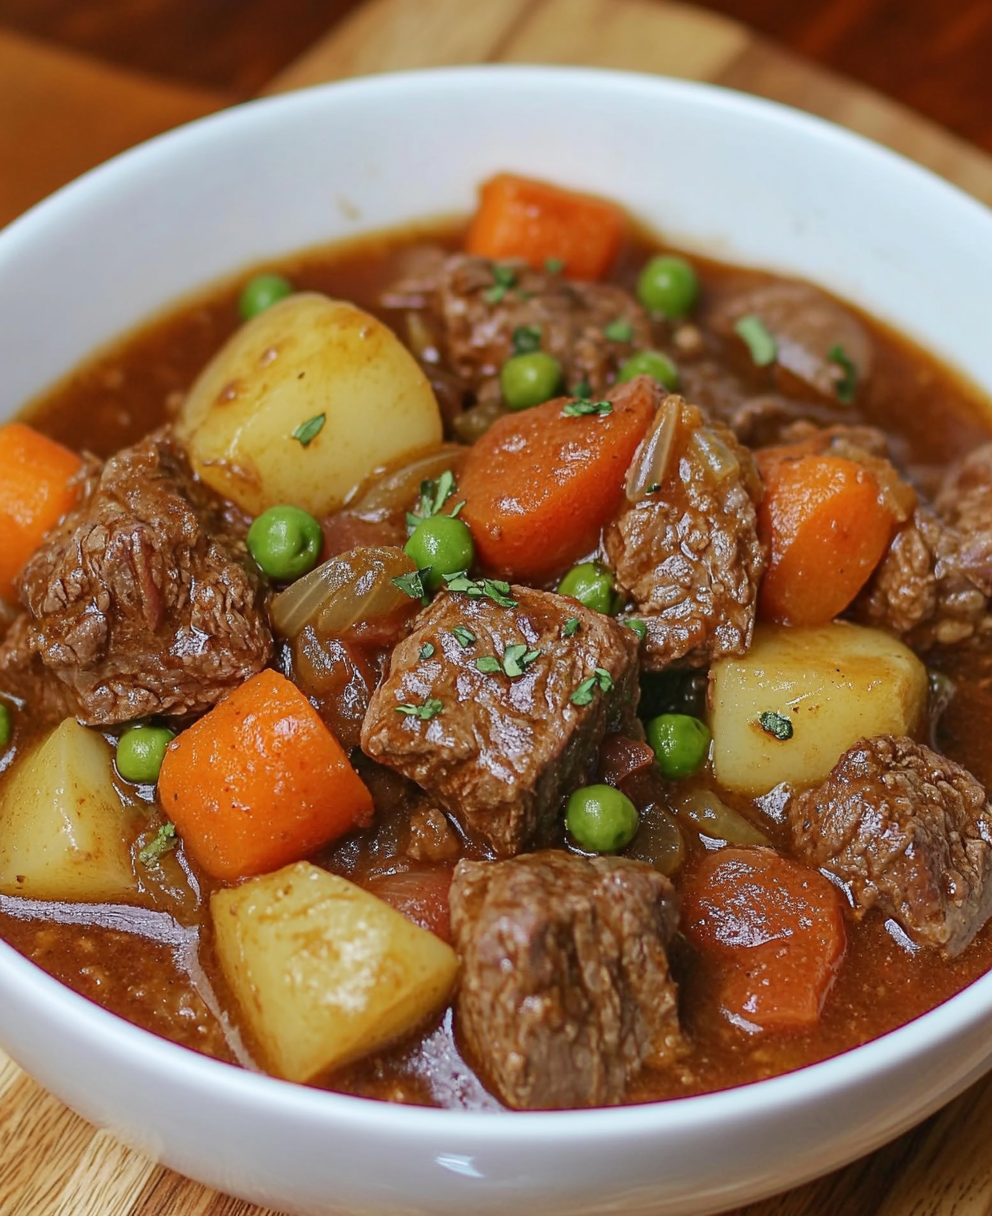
x=107 y=1181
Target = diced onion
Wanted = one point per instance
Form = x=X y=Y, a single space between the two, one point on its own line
x=658 y=841
x=650 y=464
x=354 y=586
x=398 y=490
x=712 y=817
x=719 y=459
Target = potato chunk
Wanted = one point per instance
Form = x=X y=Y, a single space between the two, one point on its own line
x=834 y=684
x=323 y=971
x=303 y=402
x=64 y=832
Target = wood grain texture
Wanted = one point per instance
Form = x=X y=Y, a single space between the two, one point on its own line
x=54 y=1164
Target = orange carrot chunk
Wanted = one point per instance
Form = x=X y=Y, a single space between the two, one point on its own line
x=35 y=492
x=827 y=529
x=260 y=781
x=521 y=218
x=540 y=485
x=773 y=929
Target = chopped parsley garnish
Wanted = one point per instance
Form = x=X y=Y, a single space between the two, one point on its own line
x=308 y=431
x=763 y=347
x=164 y=841
x=554 y=265
x=516 y=659
x=775 y=724
x=475 y=589
x=847 y=381
x=582 y=390
x=505 y=278
x=412 y=584
x=602 y=680
x=570 y=628
x=464 y=637
x=526 y=338
x=638 y=627
x=430 y=709
x=427 y=650
x=653 y=488
x=433 y=496
x=619 y=331
x=578 y=409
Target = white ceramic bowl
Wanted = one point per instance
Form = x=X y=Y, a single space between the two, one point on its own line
x=741 y=178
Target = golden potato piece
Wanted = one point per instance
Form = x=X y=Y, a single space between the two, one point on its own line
x=323 y=971
x=301 y=405
x=64 y=831
x=834 y=684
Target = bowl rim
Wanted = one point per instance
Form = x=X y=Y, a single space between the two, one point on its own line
x=143 y=1049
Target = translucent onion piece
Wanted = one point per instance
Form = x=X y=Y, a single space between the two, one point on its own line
x=659 y=841
x=650 y=464
x=398 y=489
x=354 y=586
x=718 y=457
x=712 y=817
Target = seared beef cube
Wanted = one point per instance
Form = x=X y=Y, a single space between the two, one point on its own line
x=140 y=601
x=685 y=545
x=907 y=831
x=815 y=336
x=501 y=749
x=565 y=990
x=934 y=584
x=476 y=321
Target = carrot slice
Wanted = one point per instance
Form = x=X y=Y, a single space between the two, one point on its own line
x=827 y=527
x=35 y=492
x=540 y=485
x=775 y=930
x=260 y=781
x=521 y=218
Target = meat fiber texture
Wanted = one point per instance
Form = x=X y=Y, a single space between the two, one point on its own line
x=565 y=992
x=907 y=831
x=501 y=752
x=141 y=600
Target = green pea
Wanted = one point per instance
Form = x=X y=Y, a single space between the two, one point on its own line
x=592 y=585
x=285 y=542
x=668 y=284
x=140 y=752
x=6 y=725
x=261 y=293
x=601 y=819
x=680 y=743
x=528 y=380
x=443 y=544
x=650 y=363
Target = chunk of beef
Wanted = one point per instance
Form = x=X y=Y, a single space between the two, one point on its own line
x=814 y=334
x=685 y=544
x=565 y=992
x=907 y=831
x=140 y=601
x=501 y=751
x=474 y=320
x=934 y=584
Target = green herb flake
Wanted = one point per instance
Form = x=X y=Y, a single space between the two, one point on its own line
x=754 y=333
x=775 y=724
x=504 y=278
x=430 y=709
x=638 y=627
x=475 y=589
x=604 y=679
x=580 y=409
x=570 y=628
x=308 y=431
x=433 y=496
x=554 y=265
x=847 y=381
x=427 y=650
x=517 y=658
x=464 y=637
x=526 y=339
x=412 y=584
x=164 y=841
x=619 y=331
x=582 y=390
x=488 y=664
x=584 y=693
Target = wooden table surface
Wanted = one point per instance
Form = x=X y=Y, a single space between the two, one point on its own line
x=62 y=111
